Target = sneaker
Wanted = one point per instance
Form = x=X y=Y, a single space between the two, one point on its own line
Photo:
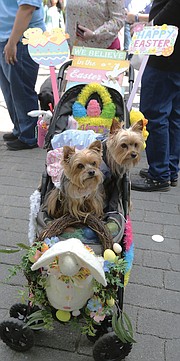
x=144 y=174
x=18 y=145
x=149 y=185
x=9 y=137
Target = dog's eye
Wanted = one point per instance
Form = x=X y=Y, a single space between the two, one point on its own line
x=93 y=164
x=124 y=145
x=80 y=166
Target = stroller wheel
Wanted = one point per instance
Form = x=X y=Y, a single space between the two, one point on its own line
x=16 y=335
x=109 y=347
x=18 y=310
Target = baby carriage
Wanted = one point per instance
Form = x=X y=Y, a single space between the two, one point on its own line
x=96 y=283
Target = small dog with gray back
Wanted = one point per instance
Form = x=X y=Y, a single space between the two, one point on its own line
x=123 y=147
x=81 y=190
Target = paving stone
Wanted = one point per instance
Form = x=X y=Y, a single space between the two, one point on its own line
x=138 y=257
x=172 y=281
x=147 y=276
x=147 y=348
x=154 y=206
x=163 y=218
x=57 y=338
x=11 y=212
x=19 y=279
x=7 y=200
x=175 y=262
x=146 y=228
x=158 y=323
x=171 y=231
x=172 y=350
x=10 y=239
x=170 y=197
x=157 y=259
x=146 y=243
x=153 y=298
x=10 y=296
x=14 y=224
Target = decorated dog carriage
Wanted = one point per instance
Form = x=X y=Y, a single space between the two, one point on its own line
x=77 y=266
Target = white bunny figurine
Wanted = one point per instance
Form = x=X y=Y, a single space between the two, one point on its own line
x=70 y=277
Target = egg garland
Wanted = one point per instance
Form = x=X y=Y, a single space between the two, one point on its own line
x=89 y=114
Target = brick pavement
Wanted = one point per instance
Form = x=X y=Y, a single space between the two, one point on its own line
x=152 y=297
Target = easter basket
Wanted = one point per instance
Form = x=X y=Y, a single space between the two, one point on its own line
x=86 y=287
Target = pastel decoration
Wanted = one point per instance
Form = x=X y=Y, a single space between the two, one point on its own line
x=63 y=316
x=97 y=119
x=49 y=48
x=71 y=290
x=153 y=40
x=75 y=138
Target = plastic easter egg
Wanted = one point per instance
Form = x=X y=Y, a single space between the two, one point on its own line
x=117 y=248
x=113 y=227
x=110 y=302
x=109 y=255
x=63 y=316
x=89 y=233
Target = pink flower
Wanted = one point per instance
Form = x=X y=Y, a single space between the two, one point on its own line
x=97 y=316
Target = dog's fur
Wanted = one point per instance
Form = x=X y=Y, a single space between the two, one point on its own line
x=81 y=189
x=124 y=147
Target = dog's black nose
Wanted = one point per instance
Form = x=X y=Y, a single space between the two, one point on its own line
x=91 y=173
x=133 y=155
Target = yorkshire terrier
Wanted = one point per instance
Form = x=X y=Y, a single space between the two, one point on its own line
x=81 y=190
x=123 y=147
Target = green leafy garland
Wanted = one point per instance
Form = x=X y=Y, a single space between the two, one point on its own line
x=101 y=306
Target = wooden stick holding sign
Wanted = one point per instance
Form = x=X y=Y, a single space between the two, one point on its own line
x=49 y=49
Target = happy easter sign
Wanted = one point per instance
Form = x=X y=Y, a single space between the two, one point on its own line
x=153 y=40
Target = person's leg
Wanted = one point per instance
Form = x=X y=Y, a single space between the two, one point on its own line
x=156 y=105
x=5 y=87
x=174 y=128
x=22 y=77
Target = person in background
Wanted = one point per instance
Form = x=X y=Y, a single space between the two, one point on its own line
x=136 y=11
x=94 y=23
x=18 y=72
x=160 y=104
x=53 y=15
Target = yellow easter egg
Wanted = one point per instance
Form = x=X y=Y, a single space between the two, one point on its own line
x=110 y=302
x=109 y=255
x=63 y=316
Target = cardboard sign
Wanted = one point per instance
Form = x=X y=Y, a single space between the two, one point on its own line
x=153 y=40
x=81 y=75
x=99 y=53
x=98 y=63
x=48 y=48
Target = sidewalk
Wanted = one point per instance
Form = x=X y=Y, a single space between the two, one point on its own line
x=152 y=297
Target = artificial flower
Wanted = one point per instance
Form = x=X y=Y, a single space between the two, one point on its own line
x=93 y=304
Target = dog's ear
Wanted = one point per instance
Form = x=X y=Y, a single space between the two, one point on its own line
x=115 y=126
x=68 y=152
x=96 y=145
x=138 y=126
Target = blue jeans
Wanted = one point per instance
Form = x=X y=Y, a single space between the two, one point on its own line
x=17 y=83
x=160 y=104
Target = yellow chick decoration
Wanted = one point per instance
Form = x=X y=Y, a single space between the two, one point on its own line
x=135 y=116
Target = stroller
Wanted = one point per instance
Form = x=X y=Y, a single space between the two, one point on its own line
x=103 y=319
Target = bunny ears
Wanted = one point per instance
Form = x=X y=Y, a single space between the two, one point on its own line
x=75 y=248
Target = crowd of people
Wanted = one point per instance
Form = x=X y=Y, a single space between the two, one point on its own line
x=96 y=23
